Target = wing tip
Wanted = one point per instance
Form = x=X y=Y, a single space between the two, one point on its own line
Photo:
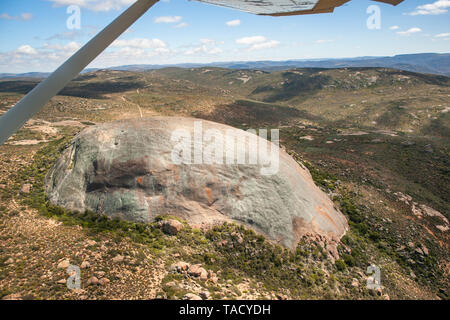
x=393 y=2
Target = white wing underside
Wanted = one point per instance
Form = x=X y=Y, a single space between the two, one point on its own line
x=266 y=6
x=285 y=7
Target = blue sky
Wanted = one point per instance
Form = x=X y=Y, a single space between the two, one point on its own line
x=34 y=34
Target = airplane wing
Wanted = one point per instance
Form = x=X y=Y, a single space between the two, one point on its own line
x=12 y=120
x=285 y=7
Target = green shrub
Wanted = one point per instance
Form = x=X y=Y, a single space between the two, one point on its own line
x=349 y=260
x=340 y=265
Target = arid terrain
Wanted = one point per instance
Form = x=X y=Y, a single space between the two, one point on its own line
x=375 y=140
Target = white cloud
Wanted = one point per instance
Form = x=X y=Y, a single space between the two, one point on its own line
x=206 y=47
x=233 y=23
x=323 y=41
x=210 y=41
x=203 y=49
x=264 y=45
x=251 y=40
x=257 y=43
x=214 y=51
x=58 y=52
x=26 y=16
x=394 y=28
x=181 y=25
x=72 y=35
x=437 y=7
x=442 y=35
x=95 y=5
x=66 y=35
x=133 y=51
x=51 y=55
x=127 y=56
x=6 y=16
x=139 y=43
x=162 y=50
x=23 y=16
x=26 y=49
x=409 y=31
x=71 y=47
x=168 y=19
x=45 y=58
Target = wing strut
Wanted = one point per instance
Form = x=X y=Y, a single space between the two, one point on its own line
x=12 y=120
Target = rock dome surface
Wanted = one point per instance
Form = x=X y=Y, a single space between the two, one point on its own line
x=126 y=169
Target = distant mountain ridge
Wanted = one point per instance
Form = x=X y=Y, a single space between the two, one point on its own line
x=24 y=75
x=433 y=63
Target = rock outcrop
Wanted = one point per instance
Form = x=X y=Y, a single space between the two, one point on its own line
x=126 y=169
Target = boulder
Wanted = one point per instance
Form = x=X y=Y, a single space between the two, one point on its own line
x=171 y=227
x=191 y=296
x=14 y=296
x=64 y=264
x=180 y=266
x=205 y=295
x=26 y=188
x=92 y=281
x=126 y=169
x=196 y=270
x=204 y=275
x=118 y=259
x=213 y=277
